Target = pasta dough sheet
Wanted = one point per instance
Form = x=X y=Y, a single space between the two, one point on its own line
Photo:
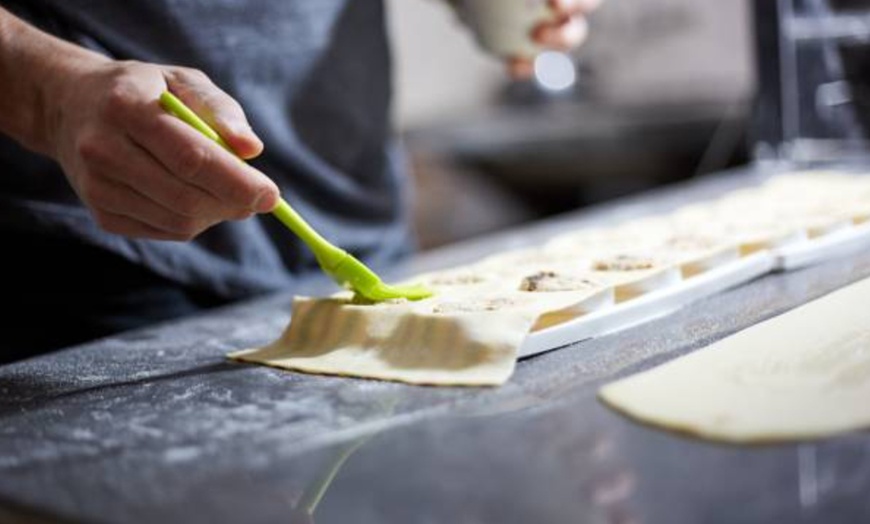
x=469 y=336
x=802 y=375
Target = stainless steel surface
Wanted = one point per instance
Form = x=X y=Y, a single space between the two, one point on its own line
x=156 y=425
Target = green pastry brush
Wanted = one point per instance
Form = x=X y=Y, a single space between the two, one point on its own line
x=343 y=267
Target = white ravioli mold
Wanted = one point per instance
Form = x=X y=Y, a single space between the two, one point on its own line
x=654 y=298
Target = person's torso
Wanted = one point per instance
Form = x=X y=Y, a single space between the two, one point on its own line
x=314 y=80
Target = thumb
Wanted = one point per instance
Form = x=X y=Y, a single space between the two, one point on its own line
x=217 y=108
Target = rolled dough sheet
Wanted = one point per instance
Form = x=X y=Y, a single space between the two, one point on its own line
x=802 y=375
x=466 y=335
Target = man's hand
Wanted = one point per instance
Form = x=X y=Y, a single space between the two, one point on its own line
x=141 y=172
x=566 y=31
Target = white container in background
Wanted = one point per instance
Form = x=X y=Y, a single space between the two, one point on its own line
x=504 y=27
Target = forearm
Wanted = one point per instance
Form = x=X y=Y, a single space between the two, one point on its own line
x=34 y=69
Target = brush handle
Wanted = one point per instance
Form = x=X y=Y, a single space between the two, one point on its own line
x=325 y=251
x=322 y=248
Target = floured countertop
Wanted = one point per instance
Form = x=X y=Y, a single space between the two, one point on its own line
x=156 y=425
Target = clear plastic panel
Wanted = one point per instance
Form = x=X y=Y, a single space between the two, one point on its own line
x=814 y=80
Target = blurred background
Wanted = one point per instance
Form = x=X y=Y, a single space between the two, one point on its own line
x=662 y=91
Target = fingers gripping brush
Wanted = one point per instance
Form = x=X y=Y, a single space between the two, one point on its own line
x=335 y=262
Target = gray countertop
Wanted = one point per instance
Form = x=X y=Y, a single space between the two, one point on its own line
x=155 y=425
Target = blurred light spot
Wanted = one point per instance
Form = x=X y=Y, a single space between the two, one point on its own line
x=555 y=71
